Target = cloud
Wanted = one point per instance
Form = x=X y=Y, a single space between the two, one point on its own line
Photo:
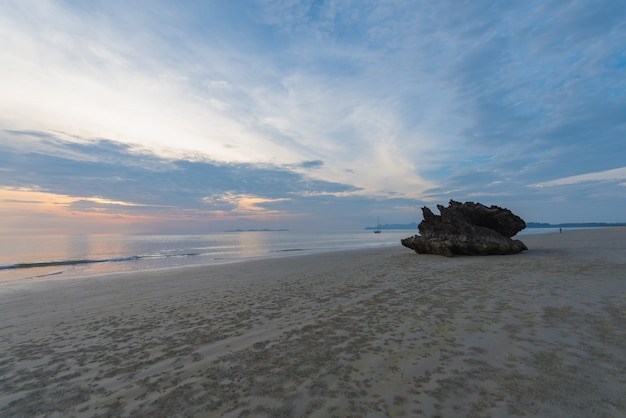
x=162 y=86
x=615 y=174
x=312 y=164
x=241 y=204
x=323 y=104
x=533 y=77
x=118 y=84
x=105 y=175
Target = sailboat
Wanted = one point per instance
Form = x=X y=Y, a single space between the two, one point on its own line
x=377 y=230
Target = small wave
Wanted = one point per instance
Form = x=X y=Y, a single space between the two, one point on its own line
x=56 y=273
x=92 y=261
x=66 y=262
x=168 y=255
x=288 y=250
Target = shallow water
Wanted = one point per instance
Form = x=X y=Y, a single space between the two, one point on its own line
x=40 y=257
x=55 y=256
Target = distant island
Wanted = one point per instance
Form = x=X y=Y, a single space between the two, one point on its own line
x=573 y=225
x=412 y=225
x=257 y=230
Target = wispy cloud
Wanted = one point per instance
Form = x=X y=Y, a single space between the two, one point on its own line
x=355 y=101
x=105 y=177
x=271 y=115
x=614 y=175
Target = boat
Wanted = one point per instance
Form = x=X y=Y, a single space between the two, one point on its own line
x=378 y=230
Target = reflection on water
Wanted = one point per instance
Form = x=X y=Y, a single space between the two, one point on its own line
x=32 y=257
x=72 y=256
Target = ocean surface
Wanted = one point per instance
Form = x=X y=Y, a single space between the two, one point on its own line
x=41 y=257
x=48 y=257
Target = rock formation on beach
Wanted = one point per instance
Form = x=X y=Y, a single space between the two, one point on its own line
x=467 y=228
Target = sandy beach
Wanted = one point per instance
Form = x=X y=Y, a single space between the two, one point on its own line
x=368 y=333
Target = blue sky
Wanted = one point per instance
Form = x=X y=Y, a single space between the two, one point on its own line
x=198 y=116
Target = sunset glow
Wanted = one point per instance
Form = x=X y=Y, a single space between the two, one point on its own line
x=290 y=114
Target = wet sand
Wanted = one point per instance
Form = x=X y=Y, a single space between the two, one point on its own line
x=380 y=332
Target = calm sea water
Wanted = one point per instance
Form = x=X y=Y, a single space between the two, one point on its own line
x=40 y=257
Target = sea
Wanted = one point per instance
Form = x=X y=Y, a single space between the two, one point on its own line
x=24 y=258
x=51 y=256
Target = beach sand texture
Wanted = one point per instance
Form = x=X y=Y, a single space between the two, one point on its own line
x=377 y=332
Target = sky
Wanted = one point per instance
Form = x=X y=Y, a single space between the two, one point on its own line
x=180 y=117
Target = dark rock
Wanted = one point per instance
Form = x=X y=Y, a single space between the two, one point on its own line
x=467 y=228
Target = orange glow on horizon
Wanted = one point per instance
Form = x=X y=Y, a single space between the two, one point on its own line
x=34 y=211
x=38 y=211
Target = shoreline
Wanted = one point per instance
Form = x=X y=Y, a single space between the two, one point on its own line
x=381 y=331
x=128 y=264
x=145 y=252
